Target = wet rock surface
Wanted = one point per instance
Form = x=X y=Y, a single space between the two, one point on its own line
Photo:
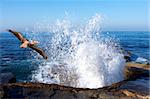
x=135 y=86
x=134 y=71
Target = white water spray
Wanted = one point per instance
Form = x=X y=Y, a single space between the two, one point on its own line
x=80 y=57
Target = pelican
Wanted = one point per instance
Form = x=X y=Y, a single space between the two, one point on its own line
x=26 y=43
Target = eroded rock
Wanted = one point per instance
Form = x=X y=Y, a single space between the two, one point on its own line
x=38 y=90
x=134 y=70
x=127 y=89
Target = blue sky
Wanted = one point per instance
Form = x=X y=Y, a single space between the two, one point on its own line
x=119 y=15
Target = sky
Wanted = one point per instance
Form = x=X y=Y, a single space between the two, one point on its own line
x=118 y=15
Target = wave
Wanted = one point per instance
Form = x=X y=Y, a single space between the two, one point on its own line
x=79 y=56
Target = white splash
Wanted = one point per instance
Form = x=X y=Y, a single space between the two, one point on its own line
x=80 y=56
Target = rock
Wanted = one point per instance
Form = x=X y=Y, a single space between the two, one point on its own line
x=52 y=91
x=137 y=88
x=7 y=78
x=135 y=70
x=138 y=65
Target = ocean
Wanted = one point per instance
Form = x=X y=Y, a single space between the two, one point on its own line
x=22 y=64
x=137 y=42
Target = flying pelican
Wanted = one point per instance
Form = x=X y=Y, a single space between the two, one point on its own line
x=26 y=43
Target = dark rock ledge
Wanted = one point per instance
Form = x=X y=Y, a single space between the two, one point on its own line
x=135 y=86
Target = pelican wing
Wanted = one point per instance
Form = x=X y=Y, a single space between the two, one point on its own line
x=18 y=35
x=40 y=51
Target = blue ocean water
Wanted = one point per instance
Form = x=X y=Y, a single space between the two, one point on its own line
x=21 y=64
x=137 y=42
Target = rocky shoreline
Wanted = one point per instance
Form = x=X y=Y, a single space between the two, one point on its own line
x=135 y=85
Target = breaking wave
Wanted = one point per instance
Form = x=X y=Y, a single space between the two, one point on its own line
x=79 y=56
